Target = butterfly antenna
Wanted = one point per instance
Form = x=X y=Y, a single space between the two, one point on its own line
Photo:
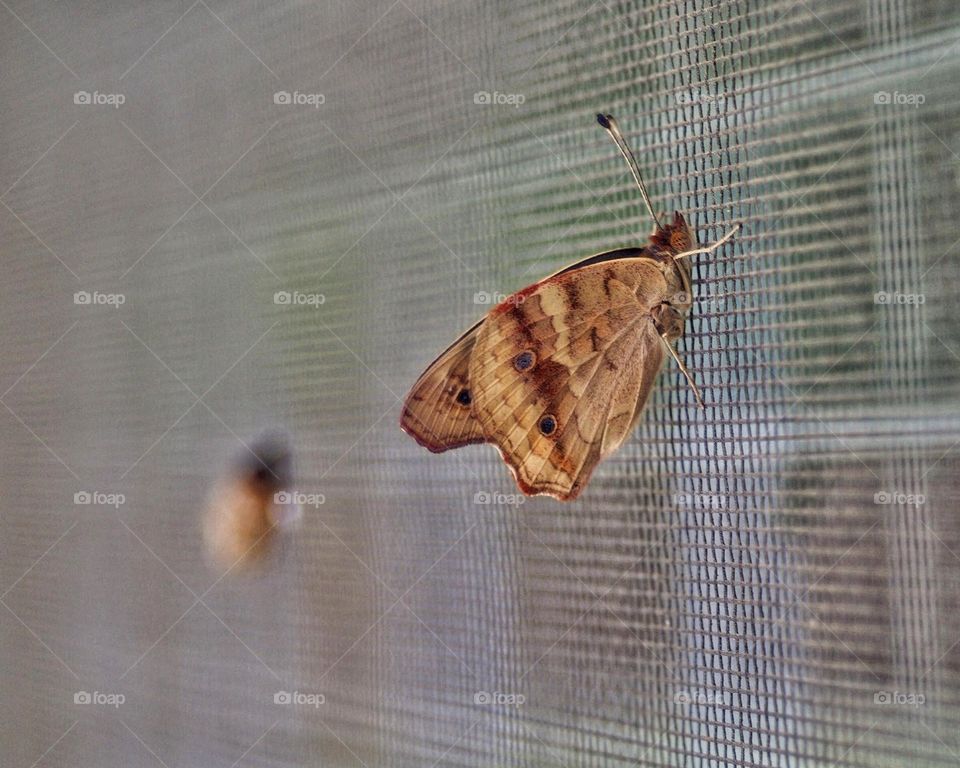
x=683 y=368
x=610 y=126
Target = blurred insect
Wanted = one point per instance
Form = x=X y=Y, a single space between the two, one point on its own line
x=244 y=509
x=557 y=375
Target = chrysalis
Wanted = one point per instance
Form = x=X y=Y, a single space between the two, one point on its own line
x=243 y=510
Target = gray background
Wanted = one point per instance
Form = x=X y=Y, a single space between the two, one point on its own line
x=727 y=591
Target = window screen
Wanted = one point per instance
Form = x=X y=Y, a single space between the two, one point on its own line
x=224 y=217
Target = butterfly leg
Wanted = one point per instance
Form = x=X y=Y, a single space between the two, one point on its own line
x=709 y=248
x=668 y=321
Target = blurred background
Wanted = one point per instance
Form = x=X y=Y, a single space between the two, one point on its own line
x=223 y=217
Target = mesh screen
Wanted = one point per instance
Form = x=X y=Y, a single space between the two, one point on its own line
x=772 y=581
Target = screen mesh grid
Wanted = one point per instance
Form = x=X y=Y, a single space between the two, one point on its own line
x=772 y=581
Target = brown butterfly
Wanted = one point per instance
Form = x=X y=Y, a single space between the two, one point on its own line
x=556 y=375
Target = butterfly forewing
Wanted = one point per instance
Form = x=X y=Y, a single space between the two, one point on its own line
x=438 y=411
x=561 y=370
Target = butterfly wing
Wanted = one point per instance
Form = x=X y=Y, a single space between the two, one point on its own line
x=432 y=414
x=594 y=354
x=436 y=413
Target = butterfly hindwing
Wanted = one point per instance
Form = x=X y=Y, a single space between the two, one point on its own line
x=560 y=372
x=437 y=411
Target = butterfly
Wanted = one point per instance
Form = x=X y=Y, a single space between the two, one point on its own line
x=557 y=375
x=242 y=513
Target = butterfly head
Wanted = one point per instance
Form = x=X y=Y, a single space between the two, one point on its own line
x=675 y=237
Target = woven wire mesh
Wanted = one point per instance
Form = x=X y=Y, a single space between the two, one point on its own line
x=772 y=581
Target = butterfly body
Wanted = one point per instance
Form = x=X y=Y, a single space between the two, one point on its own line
x=557 y=375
